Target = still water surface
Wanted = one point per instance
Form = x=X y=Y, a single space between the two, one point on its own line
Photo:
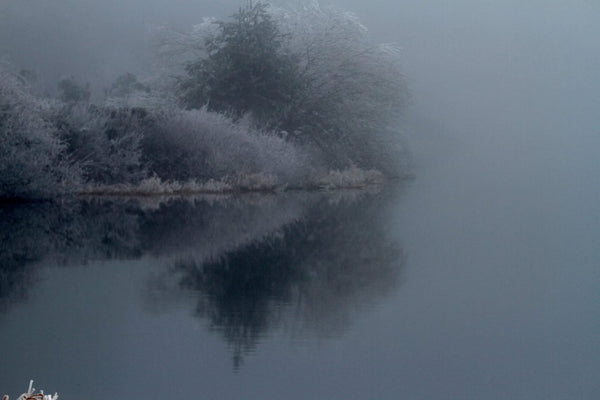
x=480 y=279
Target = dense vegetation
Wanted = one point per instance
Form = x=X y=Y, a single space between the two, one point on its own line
x=264 y=99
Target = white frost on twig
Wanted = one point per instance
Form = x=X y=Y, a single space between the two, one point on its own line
x=31 y=395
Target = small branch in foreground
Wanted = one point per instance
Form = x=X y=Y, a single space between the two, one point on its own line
x=31 y=395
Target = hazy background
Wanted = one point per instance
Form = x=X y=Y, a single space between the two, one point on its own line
x=473 y=65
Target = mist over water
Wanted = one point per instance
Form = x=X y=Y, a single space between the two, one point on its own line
x=498 y=235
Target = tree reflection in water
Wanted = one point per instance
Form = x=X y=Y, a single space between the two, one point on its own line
x=67 y=233
x=308 y=277
x=301 y=262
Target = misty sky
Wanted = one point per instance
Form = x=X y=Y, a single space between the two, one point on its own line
x=467 y=61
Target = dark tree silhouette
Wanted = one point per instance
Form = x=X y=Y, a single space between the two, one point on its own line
x=247 y=70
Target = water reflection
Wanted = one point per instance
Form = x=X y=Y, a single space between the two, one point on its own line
x=304 y=263
x=60 y=233
x=309 y=276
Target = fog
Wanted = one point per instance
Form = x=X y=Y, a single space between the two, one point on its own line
x=492 y=67
x=498 y=68
x=514 y=86
x=90 y=40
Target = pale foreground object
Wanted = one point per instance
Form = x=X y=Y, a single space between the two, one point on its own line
x=30 y=395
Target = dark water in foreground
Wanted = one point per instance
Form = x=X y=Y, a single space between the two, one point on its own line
x=482 y=287
x=180 y=297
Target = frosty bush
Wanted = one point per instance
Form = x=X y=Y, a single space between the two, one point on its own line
x=203 y=145
x=269 y=97
x=33 y=162
x=105 y=141
x=310 y=73
x=31 y=394
x=355 y=90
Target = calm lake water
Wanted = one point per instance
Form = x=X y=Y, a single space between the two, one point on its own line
x=480 y=279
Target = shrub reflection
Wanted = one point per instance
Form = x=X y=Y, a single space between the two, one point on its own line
x=308 y=278
x=303 y=263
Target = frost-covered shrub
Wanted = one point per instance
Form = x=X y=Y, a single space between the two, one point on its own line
x=203 y=145
x=33 y=162
x=311 y=73
x=355 y=90
x=105 y=142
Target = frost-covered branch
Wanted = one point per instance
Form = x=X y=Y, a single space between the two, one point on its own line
x=30 y=394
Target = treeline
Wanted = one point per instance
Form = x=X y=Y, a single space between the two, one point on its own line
x=267 y=98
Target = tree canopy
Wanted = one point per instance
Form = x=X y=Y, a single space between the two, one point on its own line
x=246 y=70
x=310 y=73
